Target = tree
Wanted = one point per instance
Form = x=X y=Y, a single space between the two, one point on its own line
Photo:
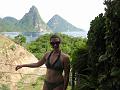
x=20 y=39
x=96 y=48
x=111 y=58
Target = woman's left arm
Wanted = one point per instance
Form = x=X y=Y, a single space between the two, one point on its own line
x=66 y=72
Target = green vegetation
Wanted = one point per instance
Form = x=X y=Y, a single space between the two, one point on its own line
x=37 y=85
x=31 y=84
x=20 y=39
x=68 y=45
x=13 y=47
x=4 y=87
x=98 y=65
x=95 y=61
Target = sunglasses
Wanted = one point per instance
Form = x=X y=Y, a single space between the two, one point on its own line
x=53 y=43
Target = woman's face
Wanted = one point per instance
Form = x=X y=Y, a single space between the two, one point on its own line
x=55 y=43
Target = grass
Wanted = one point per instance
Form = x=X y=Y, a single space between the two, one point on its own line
x=1 y=44
x=4 y=87
x=69 y=87
x=37 y=85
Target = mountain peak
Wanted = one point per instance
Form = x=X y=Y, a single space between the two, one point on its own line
x=56 y=15
x=58 y=24
x=30 y=22
x=33 y=21
x=33 y=9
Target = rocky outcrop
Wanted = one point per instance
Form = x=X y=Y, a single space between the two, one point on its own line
x=12 y=54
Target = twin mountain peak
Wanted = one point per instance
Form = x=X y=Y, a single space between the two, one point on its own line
x=32 y=22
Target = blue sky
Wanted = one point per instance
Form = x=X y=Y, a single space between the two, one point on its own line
x=78 y=12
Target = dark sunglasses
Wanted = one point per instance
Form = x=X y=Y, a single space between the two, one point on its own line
x=53 y=43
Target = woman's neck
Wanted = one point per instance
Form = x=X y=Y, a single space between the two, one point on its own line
x=56 y=51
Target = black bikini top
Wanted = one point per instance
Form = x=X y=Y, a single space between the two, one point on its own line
x=57 y=65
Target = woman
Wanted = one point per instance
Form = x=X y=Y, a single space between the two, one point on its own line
x=56 y=62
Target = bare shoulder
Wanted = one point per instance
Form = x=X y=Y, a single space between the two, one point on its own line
x=66 y=61
x=65 y=57
x=47 y=54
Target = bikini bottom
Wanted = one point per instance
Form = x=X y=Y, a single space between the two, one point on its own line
x=52 y=85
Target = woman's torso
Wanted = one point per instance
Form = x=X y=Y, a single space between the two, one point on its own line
x=54 y=64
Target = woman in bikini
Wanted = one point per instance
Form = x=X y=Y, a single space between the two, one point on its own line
x=56 y=62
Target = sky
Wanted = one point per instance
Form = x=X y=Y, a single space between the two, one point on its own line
x=77 y=12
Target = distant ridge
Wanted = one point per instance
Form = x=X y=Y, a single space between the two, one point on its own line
x=58 y=24
x=31 y=22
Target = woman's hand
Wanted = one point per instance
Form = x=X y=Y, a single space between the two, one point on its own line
x=18 y=67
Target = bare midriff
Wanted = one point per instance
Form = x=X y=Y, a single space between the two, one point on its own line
x=54 y=76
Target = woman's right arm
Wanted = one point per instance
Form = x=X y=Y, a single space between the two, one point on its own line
x=32 y=65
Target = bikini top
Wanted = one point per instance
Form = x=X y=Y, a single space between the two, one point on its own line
x=57 y=65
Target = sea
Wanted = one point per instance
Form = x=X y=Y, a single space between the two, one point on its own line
x=31 y=36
